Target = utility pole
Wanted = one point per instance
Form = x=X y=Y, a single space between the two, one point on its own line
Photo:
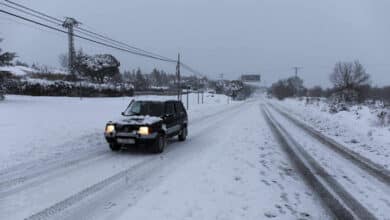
x=178 y=78
x=221 y=76
x=227 y=95
x=296 y=69
x=197 y=92
x=198 y=87
x=69 y=23
x=187 y=96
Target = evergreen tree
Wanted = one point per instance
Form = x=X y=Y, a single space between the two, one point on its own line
x=6 y=58
x=140 y=81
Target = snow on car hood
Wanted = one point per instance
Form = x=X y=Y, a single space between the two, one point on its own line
x=139 y=120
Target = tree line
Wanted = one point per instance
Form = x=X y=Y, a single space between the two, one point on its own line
x=99 y=75
x=350 y=84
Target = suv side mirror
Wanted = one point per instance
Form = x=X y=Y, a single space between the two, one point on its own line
x=168 y=116
x=123 y=113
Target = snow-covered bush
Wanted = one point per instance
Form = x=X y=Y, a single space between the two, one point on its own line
x=99 y=68
x=383 y=116
x=40 y=87
x=1 y=93
x=335 y=107
x=342 y=100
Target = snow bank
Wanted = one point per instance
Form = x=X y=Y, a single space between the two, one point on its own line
x=23 y=71
x=17 y=70
x=359 y=128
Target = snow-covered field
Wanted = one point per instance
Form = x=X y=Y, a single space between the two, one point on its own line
x=36 y=127
x=359 y=129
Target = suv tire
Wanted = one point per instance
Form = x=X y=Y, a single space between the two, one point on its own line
x=183 y=134
x=159 y=144
x=115 y=147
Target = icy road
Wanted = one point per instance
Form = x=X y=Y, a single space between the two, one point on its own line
x=234 y=165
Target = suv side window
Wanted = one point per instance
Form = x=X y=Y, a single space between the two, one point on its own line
x=170 y=108
x=179 y=107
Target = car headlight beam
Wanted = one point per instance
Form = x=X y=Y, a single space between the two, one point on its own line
x=110 y=128
x=144 y=130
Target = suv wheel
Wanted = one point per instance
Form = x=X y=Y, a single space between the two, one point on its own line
x=115 y=147
x=183 y=134
x=159 y=144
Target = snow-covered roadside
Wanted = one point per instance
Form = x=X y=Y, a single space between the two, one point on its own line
x=32 y=128
x=23 y=71
x=243 y=174
x=357 y=128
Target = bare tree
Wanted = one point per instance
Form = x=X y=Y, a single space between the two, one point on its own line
x=348 y=75
x=348 y=79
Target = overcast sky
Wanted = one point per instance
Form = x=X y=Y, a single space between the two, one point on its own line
x=268 y=37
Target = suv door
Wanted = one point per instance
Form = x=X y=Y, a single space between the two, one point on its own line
x=181 y=113
x=171 y=119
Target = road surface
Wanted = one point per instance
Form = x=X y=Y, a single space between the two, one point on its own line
x=233 y=166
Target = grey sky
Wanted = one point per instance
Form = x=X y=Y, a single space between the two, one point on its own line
x=223 y=36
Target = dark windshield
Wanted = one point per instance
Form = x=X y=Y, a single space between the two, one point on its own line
x=145 y=108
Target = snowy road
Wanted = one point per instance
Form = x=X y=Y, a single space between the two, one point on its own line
x=364 y=191
x=231 y=167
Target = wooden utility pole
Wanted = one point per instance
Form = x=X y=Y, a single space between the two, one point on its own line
x=197 y=92
x=187 y=97
x=178 y=78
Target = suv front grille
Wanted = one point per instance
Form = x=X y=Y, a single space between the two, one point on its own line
x=126 y=128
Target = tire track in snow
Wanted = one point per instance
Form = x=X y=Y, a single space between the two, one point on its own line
x=64 y=204
x=337 y=198
x=19 y=184
x=375 y=169
x=30 y=176
x=154 y=162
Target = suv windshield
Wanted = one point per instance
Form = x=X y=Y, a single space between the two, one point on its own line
x=145 y=108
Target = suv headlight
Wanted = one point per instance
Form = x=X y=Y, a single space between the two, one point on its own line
x=110 y=128
x=144 y=130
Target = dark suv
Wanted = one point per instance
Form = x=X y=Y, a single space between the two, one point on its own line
x=149 y=124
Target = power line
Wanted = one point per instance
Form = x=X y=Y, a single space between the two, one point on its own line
x=31 y=14
x=190 y=69
x=85 y=38
x=109 y=41
x=9 y=19
x=123 y=44
x=35 y=11
x=84 y=31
